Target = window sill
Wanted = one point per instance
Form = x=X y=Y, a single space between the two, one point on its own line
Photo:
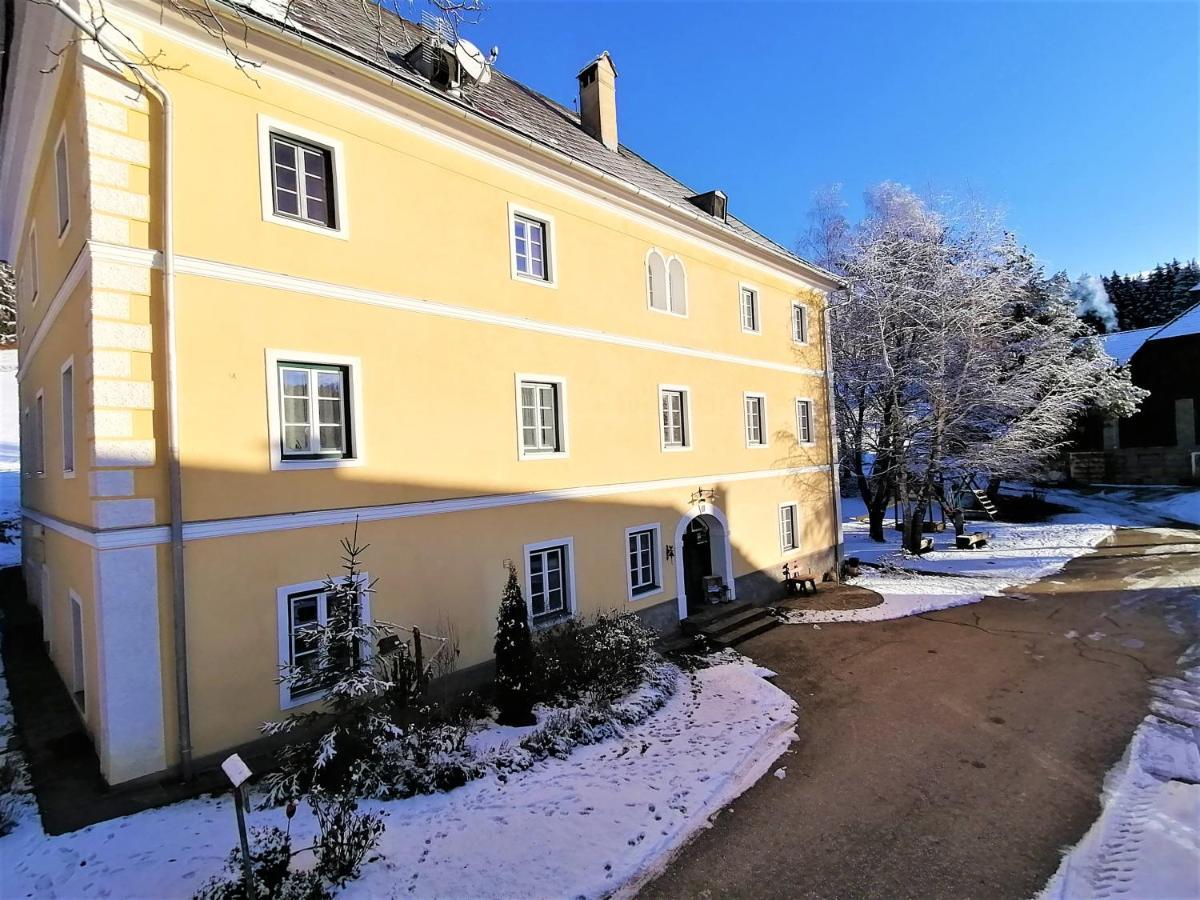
x=284 y=464
x=68 y=473
x=757 y=446
x=752 y=331
x=668 y=312
x=644 y=593
x=549 y=621
x=531 y=455
x=681 y=449
x=293 y=702
x=312 y=228
x=534 y=280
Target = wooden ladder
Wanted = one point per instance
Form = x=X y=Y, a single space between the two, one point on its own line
x=985 y=503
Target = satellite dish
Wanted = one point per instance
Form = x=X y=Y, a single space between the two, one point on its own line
x=472 y=62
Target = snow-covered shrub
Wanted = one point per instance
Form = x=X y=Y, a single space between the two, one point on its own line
x=430 y=757
x=514 y=656
x=602 y=658
x=346 y=835
x=12 y=786
x=270 y=863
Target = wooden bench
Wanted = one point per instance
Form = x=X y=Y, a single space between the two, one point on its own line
x=926 y=546
x=976 y=541
x=716 y=590
x=797 y=583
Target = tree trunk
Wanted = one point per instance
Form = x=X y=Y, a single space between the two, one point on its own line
x=913 y=527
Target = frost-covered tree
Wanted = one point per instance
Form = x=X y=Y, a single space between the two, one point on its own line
x=514 y=656
x=8 y=304
x=955 y=356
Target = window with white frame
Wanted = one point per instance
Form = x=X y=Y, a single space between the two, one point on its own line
x=756 y=420
x=804 y=421
x=29 y=271
x=642 y=549
x=673 y=405
x=541 y=417
x=314 y=415
x=67 y=384
x=657 y=292
x=749 y=309
x=302 y=180
x=799 y=323
x=789 y=538
x=531 y=245
x=62 y=184
x=677 y=282
x=304 y=610
x=547 y=568
x=39 y=434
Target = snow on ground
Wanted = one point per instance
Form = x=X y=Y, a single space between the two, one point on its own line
x=601 y=821
x=1132 y=506
x=1146 y=842
x=945 y=577
x=10 y=453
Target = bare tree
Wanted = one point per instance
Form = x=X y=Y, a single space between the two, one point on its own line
x=228 y=23
x=955 y=356
x=8 y=304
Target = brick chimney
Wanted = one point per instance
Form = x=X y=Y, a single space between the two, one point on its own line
x=598 y=100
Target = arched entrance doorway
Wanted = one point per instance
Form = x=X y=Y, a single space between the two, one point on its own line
x=702 y=539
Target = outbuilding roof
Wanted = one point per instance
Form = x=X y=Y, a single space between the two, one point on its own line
x=1122 y=345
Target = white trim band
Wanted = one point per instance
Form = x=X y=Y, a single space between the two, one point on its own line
x=218 y=528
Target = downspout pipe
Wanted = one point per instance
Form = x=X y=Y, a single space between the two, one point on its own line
x=145 y=77
x=831 y=431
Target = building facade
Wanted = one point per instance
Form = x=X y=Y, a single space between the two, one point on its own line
x=257 y=311
x=1160 y=443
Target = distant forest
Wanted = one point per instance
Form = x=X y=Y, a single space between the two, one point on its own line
x=1155 y=297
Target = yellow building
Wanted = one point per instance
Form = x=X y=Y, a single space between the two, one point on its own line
x=368 y=278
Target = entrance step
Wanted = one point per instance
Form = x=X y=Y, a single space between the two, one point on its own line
x=729 y=624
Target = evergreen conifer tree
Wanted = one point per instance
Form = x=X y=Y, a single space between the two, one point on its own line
x=514 y=656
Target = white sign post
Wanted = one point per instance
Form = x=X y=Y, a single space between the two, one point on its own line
x=237 y=772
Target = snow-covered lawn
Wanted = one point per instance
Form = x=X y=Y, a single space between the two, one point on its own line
x=601 y=821
x=1015 y=555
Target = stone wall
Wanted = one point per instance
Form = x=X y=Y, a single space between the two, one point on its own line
x=1135 y=465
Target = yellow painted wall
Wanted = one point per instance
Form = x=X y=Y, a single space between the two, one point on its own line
x=442 y=569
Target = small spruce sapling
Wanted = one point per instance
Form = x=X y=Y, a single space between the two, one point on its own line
x=514 y=656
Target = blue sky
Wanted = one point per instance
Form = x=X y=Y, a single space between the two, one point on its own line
x=1080 y=120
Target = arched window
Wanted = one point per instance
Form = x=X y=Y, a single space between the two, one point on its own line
x=656 y=282
x=678 y=287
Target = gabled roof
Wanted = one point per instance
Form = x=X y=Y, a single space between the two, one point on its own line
x=1183 y=325
x=1122 y=345
x=381 y=39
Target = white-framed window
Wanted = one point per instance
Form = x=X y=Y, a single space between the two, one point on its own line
x=62 y=183
x=302 y=177
x=675 y=417
x=531 y=242
x=805 y=428
x=756 y=419
x=302 y=610
x=78 y=664
x=657 y=291
x=642 y=562
x=550 y=580
x=541 y=416
x=67 y=397
x=29 y=270
x=39 y=434
x=666 y=284
x=789 y=528
x=315 y=410
x=677 y=283
x=799 y=323
x=749 y=309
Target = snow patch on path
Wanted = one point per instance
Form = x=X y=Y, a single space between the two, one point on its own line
x=602 y=821
x=1146 y=842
